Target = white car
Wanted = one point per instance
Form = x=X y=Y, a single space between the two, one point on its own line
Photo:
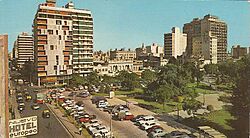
x=104 y=133
x=102 y=104
x=148 y=125
x=98 y=129
x=93 y=126
x=146 y=119
x=86 y=125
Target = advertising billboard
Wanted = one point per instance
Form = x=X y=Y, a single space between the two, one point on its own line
x=23 y=127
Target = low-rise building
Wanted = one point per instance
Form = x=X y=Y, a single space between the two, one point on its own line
x=152 y=50
x=238 y=51
x=122 y=54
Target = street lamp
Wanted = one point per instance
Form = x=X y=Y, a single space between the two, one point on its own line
x=111 y=119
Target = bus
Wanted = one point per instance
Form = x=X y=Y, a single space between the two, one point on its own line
x=40 y=98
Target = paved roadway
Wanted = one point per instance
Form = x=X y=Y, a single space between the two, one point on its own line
x=47 y=127
x=121 y=129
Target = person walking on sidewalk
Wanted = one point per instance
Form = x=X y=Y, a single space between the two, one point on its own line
x=80 y=130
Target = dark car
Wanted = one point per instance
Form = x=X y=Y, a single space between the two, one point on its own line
x=96 y=99
x=153 y=128
x=35 y=106
x=83 y=94
x=137 y=118
x=72 y=94
x=46 y=114
x=21 y=107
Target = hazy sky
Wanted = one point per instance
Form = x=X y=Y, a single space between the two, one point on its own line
x=128 y=23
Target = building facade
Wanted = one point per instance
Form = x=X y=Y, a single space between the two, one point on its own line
x=238 y=51
x=63 y=41
x=24 y=49
x=207 y=29
x=122 y=54
x=193 y=31
x=175 y=43
x=153 y=50
x=4 y=110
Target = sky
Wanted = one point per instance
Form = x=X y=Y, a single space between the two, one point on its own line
x=129 y=23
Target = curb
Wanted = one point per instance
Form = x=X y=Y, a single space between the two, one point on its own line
x=68 y=131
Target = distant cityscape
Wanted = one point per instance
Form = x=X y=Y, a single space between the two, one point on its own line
x=57 y=63
x=62 y=45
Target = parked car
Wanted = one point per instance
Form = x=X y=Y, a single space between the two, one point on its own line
x=146 y=119
x=98 y=129
x=93 y=126
x=35 y=106
x=157 y=133
x=90 y=123
x=102 y=104
x=83 y=94
x=153 y=128
x=148 y=125
x=177 y=134
x=72 y=94
x=96 y=99
x=124 y=115
x=138 y=118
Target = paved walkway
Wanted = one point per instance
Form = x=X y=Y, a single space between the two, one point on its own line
x=70 y=127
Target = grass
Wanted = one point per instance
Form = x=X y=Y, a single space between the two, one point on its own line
x=119 y=92
x=202 y=88
x=135 y=91
x=220 y=117
x=216 y=119
x=152 y=106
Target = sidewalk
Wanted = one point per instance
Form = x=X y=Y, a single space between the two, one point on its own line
x=70 y=127
x=13 y=105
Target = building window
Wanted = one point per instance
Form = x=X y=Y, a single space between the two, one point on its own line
x=56 y=32
x=50 y=32
x=55 y=67
x=64 y=32
x=58 y=22
x=60 y=37
x=65 y=22
x=51 y=47
x=57 y=60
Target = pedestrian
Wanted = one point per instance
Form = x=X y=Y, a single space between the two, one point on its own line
x=80 y=130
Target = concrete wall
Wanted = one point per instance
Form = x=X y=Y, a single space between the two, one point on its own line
x=4 y=86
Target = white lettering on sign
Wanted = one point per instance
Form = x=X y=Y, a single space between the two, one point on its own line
x=23 y=127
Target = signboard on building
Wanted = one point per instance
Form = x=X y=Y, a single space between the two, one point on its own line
x=23 y=127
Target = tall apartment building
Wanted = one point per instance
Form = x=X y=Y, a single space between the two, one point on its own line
x=122 y=54
x=4 y=110
x=206 y=30
x=63 y=39
x=175 y=43
x=24 y=48
x=193 y=31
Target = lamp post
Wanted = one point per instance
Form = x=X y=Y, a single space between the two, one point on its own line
x=111 y=120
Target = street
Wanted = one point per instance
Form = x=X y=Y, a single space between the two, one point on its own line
x=47 y=127
x=121 y=129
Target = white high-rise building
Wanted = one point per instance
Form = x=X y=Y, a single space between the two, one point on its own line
x=175 y=43
x=63 y=40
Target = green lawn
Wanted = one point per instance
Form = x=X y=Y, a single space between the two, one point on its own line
x=220 y=117
x=135 y=91
x=153 y=106
x=202 y=88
